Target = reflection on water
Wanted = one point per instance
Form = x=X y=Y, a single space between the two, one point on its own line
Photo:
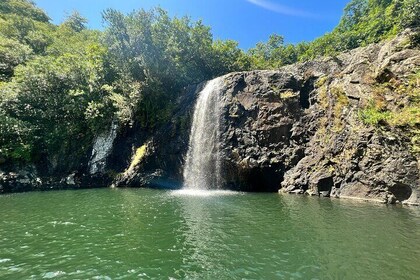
x=203 y=237
x=203 y=193
x=198 y=235
x=144 y=234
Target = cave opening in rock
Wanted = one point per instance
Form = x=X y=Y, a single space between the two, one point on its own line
x=265 y=179
x=401 y=191
x=307 y=88
x=325 y=184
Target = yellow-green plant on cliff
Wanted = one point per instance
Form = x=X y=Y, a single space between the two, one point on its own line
x=403 y=112
x=136 y=159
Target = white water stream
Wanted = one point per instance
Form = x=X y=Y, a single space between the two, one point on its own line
x=202 y=170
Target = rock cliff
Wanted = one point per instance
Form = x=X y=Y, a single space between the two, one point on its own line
x=310 y=128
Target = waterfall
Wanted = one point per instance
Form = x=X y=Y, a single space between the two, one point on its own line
x=102 y=147
x=202 y=170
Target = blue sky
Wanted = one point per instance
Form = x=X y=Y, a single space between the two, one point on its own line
x=246 y=21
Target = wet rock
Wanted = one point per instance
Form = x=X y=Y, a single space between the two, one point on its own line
x=391 y=199
x=311 y=193
x=324 y=193
x=298 y=191
x=70 y=180
x=24 y=179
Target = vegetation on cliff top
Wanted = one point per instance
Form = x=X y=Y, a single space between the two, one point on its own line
x=60 y=85
x=364 y=22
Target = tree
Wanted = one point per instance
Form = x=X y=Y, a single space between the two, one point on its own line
x=23 y=8
x=353 y=14
x=75 y=22
x=410 y=14
x=164 y=54
x=12 y=53
x=229 y=57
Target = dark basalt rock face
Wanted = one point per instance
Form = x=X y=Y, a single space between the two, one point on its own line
x=260 y=113
x=298 y=129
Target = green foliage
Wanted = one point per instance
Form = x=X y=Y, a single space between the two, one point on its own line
x=149 y=45
x=96 y=116
x=61 y=85
x=126 y=105
x=410 y=13
x=274 y=53
x=26 y=30
x=42 y=100
x=407 y=116
x=415 y=140
x=15 y=142
x=53 y=76
x=229 y=58
x=12 y=53
x=23 y=8
x=164 y=55
x=373 y=116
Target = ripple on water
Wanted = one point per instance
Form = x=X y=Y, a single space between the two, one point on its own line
x=54 y=223
x=53 y=274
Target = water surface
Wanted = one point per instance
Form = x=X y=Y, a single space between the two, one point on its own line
x=143 y=234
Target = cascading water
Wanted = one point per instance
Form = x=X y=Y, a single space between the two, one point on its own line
x=202 y=169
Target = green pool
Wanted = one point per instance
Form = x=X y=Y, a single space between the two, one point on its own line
x=146 y=234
